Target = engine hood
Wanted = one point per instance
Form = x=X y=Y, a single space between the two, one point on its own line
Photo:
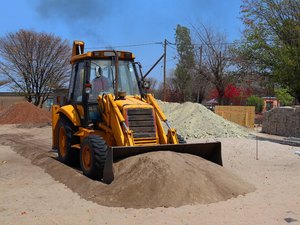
x=131 y=102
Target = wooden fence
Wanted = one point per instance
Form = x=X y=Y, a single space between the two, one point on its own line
x=242 y=115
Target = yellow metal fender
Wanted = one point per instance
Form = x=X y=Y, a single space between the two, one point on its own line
x=70 y=112
x=55 y=117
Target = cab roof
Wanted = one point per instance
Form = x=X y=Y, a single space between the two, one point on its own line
x=79 y=55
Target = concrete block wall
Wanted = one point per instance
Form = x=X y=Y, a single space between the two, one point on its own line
x=283 y=121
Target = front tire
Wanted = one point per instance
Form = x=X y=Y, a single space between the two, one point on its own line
x=93 y=154
x=66 y=154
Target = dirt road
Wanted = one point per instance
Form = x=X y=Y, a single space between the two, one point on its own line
x=32 y=191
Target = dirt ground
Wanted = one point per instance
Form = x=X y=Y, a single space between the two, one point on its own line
x=32 y=193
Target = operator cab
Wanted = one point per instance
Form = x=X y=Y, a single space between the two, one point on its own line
x=102 y=78
x=101 y=72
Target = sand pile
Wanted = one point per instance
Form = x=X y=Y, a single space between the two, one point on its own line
x=193 y=120
x=150 y=180
x=169 y=179
x=24 y=113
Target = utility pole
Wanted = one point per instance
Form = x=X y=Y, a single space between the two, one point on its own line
x=201 y=49
x=165 y=69
x=200 y=70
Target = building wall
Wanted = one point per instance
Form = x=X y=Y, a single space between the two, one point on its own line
x=10 y=98
x=6 y=101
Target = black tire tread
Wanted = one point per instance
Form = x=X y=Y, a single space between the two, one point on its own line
x=72 y=156
x=99 y=153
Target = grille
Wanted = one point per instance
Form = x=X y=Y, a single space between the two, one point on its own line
x=141 y=122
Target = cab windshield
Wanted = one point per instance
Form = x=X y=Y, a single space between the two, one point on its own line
x=102 y=78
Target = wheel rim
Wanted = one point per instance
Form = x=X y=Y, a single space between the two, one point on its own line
x=86 y=157
x=62 y=142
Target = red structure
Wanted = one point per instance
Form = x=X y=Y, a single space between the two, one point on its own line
x=270 y=103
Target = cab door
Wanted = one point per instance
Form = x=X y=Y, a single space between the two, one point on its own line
x=76 y=88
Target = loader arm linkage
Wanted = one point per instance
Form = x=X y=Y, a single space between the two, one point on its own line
x=108 y=117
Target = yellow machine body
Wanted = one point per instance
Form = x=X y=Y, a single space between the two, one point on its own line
x=129 y=124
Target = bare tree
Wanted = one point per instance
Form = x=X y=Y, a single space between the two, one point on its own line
x=3 y=82
x=215 y=59
x=153 y=82
x=172 y=93
x=34 y=63
x=200 y=84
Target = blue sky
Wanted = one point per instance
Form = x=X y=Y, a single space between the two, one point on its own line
x=105 y=23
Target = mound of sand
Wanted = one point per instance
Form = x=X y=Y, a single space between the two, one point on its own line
x=150 y=180
x=24 y=113
x=169 y=179
x=193 y=120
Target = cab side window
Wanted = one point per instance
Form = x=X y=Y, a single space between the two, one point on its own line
x=71 y=84
x=78 y=85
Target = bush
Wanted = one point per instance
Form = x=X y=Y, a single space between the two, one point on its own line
x=284 y=97
x=257 y=102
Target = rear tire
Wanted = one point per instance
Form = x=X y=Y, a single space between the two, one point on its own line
x=93 y=154
x=181 y=139
x=66 y=154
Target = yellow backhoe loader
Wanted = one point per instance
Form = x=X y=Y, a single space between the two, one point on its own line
x=110 y=116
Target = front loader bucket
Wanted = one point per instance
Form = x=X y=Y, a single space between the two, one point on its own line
x=209 y=151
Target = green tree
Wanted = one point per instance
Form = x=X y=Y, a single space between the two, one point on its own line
x=185 y=67
x=284 y=97
x=272 y=40
x=257 y=102
x=34 y=63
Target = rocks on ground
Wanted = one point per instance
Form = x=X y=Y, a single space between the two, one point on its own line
x=283 y=121
x=193 y=120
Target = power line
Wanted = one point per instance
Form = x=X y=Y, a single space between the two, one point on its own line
x=127 y=46
x=170 y=44
x=231 y=43
x=172 y=47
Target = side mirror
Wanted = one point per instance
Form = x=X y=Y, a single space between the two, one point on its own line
x=146 y=84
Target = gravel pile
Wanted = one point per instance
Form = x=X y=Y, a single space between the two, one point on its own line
x=192 y=120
